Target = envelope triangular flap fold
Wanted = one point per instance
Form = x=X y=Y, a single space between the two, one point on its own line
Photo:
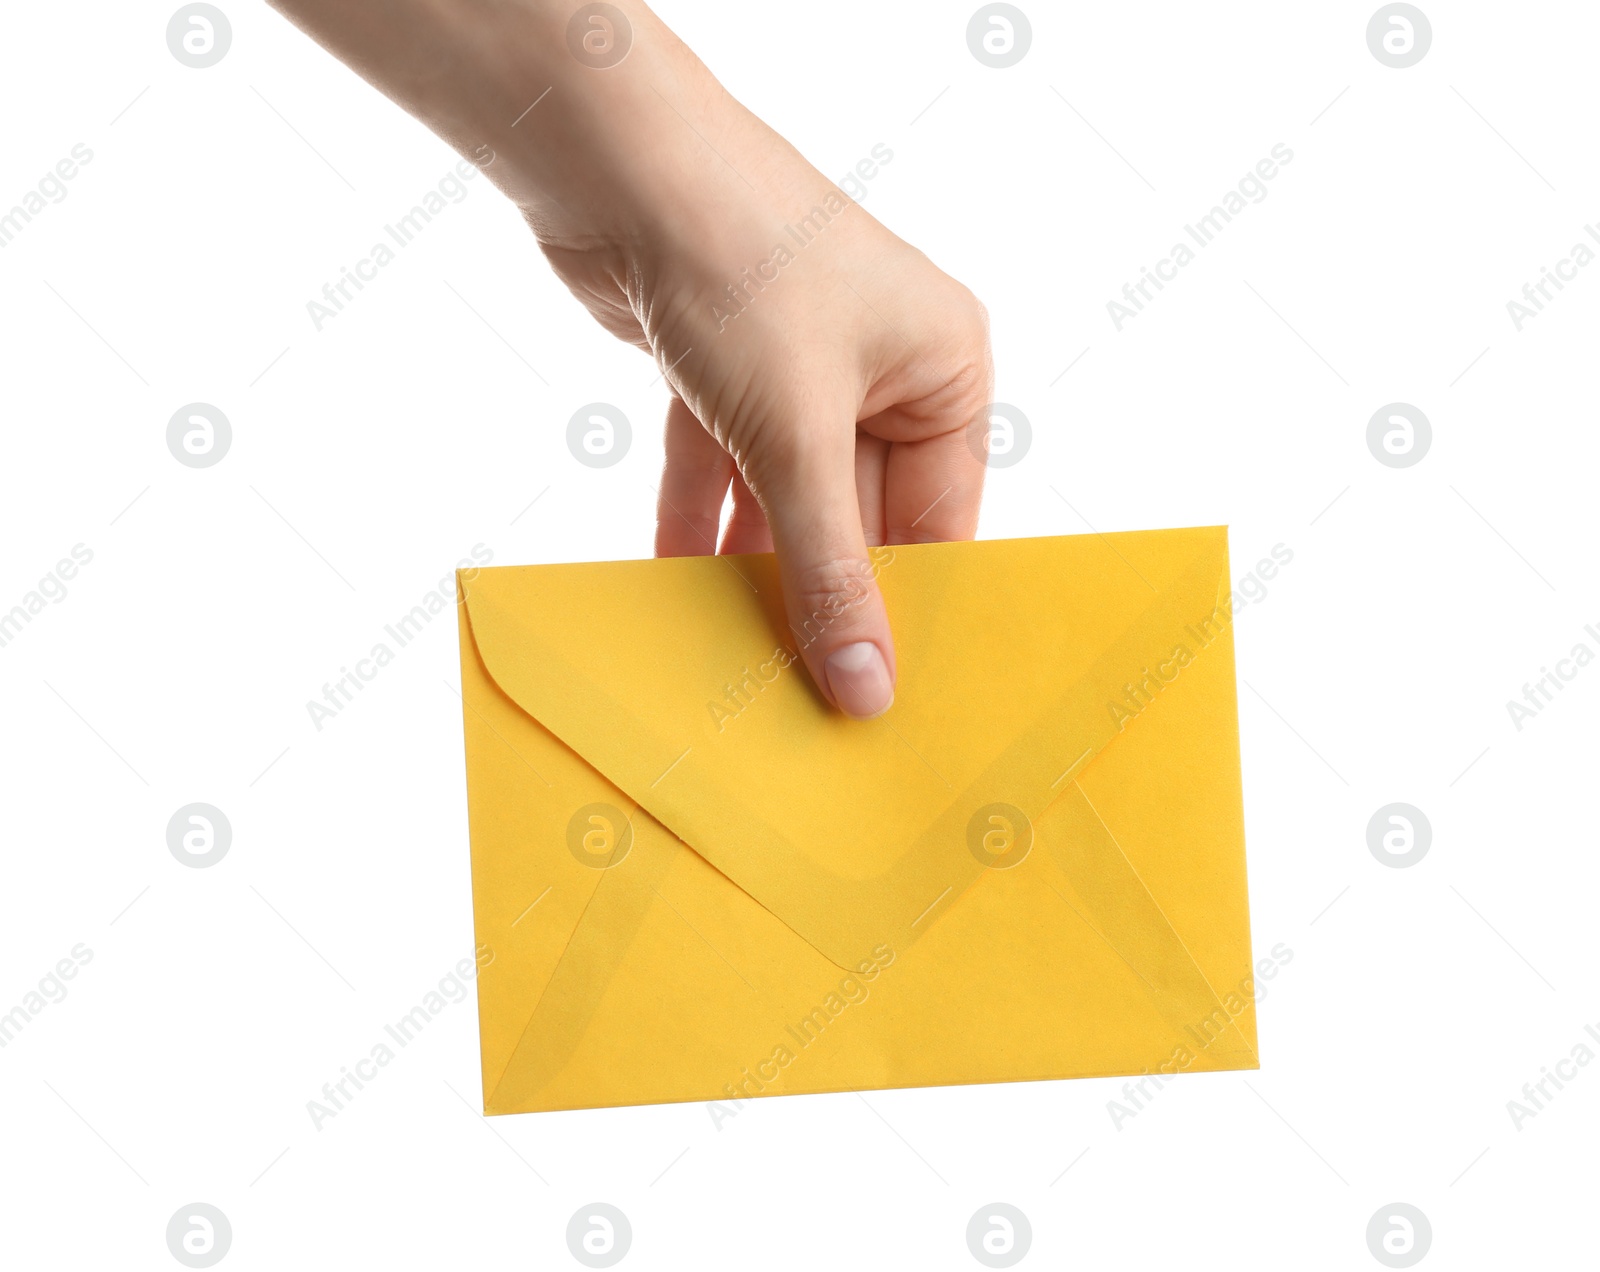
x=678 y=681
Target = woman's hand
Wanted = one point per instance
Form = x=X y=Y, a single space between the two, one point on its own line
x=826 y=371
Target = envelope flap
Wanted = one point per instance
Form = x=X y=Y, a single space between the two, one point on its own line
x=679 y=682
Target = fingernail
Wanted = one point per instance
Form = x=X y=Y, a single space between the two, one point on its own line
x=860 y=680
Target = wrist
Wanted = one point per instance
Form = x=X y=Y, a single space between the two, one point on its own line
x=595 y=123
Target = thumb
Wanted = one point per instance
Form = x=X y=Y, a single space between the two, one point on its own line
x=835 y=610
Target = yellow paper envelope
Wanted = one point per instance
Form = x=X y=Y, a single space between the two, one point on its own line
x=693 y=880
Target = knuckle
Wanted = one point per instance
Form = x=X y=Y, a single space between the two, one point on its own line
x=829 y=593
x=973 y=311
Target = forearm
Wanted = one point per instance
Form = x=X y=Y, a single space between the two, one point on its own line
x=578 y=145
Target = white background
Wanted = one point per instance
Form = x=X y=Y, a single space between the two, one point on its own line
x=369 y=457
